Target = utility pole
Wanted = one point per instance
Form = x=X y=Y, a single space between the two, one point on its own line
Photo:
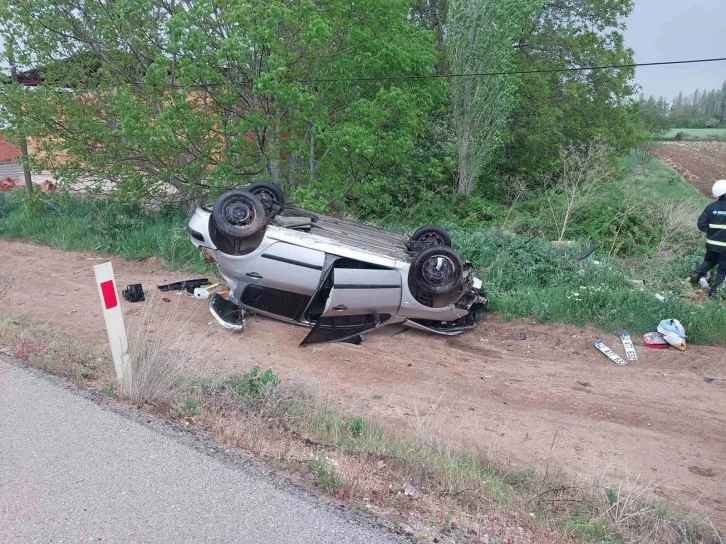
x=23 y=140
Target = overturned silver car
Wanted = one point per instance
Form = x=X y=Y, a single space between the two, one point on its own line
x=339 y=277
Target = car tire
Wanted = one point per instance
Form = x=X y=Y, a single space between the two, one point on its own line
x=271 y=196
x=239 y=214
x=432 y=235
x=437 y=270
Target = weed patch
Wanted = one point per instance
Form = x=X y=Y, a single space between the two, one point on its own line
x=327 y=477
x=85 y=223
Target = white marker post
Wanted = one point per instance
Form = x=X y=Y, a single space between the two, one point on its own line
x=114 y=324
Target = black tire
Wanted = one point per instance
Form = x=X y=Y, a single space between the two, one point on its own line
x=239 y=214
x=432 y=235
x=437 y=270
x=271 y=196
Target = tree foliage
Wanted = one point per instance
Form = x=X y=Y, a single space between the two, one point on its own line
x=556 y=109
x=205 y=94
x=699 y=109
x=479 y=36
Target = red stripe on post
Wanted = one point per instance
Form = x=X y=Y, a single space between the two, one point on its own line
x=108 y=290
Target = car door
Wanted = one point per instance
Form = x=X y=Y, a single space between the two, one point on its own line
x=360 y=300
x=282 y=279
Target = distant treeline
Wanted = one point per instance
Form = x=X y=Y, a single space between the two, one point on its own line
x=702 y=109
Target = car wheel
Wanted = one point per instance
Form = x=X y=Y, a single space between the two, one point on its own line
x=271 y=196
x=437 y=270
x=432 y=235
x=239 y=214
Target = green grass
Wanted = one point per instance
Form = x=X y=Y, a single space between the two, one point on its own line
x=659 y=182
x=103 y=226
x=696 y=133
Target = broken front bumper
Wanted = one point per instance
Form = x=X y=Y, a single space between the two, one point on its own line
x=227 y=313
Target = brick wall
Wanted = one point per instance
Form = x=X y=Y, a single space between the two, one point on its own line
x=7 y=151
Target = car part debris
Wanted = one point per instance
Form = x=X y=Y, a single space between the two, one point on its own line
x=708 y=380
x=134 y=293
x=610 y=354
x=628 y=346
x=660 y=298
x=189 y=285
x=585 y=253
x=227 y=313
x=202 y=293
x=703 y=282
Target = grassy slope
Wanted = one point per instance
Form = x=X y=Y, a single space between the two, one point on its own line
x=523 y=276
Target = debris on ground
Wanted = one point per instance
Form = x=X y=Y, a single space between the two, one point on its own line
x=670 y=333
x=522 y=335
x=708 y=380
x=202 y=293
x=188 y=284
x=410 y=491
x=655 y=340
x=134 y=292
x=660 y=298
x=673 y=333
x=628 y=346
x=8 y=184
x=610 y=354
x=227 y=313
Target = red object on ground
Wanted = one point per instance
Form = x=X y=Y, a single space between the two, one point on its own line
x=7 y=184
x=108 y=290
x=655 y=340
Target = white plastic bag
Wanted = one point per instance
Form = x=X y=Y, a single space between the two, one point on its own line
x=673 y=333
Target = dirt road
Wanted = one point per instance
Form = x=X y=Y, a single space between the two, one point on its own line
x=548 y=400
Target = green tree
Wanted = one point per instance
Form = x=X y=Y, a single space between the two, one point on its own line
x=205 y=94
x=479 y=36
x=554 y=109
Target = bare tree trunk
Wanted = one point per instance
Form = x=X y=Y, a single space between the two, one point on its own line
x=23 y=140
x=26 y=170
x=311 y=166
x=292 y=168
x=273 y=164
x=464 y=141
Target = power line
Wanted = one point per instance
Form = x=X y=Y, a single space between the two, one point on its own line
x=488 y=74
x=516 y=72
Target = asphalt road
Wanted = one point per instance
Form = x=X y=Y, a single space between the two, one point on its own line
x=73 y=471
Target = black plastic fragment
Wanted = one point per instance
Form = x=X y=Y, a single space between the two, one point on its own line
x=189 y=285
x=134 y=292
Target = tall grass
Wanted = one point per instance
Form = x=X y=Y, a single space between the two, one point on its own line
x=528 y=278
x=105 y=226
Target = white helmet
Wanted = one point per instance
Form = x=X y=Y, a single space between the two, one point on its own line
x=719 y=188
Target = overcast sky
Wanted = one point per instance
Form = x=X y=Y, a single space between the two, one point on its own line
x=662 y=30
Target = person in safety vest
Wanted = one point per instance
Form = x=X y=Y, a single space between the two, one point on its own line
x=713 y=223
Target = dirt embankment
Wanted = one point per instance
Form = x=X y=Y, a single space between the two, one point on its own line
x=550 y=399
